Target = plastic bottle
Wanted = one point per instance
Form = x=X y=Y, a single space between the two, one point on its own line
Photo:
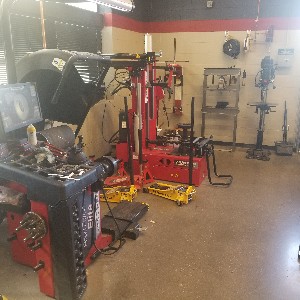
x=31 y=135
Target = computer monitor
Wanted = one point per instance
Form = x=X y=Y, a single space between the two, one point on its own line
x=19 y=107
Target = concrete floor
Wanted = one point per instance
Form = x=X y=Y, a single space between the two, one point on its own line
x=239 y=242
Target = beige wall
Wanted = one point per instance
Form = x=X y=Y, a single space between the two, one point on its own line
x=205 y=50
x=114 y=40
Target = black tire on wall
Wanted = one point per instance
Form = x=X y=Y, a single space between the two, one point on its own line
x=232 y=48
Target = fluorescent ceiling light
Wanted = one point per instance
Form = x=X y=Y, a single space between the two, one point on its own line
x=86 y=6
x=116 y=4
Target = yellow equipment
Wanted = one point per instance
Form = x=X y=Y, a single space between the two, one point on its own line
x=178 y=193
x=119 y=194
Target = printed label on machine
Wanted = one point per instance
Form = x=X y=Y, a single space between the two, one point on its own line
x=97 y=215
x=90 y=220
x=183 y=163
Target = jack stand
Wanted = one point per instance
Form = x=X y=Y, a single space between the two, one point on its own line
x=181 y=194
x=119 y=194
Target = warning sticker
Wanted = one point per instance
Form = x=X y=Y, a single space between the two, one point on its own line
x=58 y=63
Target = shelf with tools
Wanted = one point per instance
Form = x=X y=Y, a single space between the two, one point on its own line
x=221 y=87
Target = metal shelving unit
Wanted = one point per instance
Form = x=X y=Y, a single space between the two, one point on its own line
x=216 y=83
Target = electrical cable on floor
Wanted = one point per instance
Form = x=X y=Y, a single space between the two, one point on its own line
x=121 y=239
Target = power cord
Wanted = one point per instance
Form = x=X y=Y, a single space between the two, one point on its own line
x=121 y=239
x=102 y=123
x=122 y=78
x=114 y=138
x=165 y=111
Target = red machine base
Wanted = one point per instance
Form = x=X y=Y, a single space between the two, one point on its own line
x=163 y=165
x=175 y=168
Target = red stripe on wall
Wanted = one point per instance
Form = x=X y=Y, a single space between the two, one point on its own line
x=113 y=20
x=118 y=21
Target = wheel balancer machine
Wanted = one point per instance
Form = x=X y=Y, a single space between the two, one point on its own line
x=53 y=217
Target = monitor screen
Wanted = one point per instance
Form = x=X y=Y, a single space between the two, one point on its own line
x=19 y=106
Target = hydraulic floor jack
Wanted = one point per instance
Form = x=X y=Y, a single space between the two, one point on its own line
x=119 y=194
x=181 y=194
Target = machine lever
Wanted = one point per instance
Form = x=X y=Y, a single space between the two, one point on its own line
x=36 y=246
x=29 y=236
x=39 y=266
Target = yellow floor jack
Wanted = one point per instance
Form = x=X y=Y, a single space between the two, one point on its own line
x=119 y=194
x=181 y=194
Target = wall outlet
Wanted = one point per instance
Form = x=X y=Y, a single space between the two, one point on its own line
x=209 y=3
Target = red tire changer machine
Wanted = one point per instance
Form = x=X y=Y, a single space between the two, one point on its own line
x=159 y=157
x=152 y=155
